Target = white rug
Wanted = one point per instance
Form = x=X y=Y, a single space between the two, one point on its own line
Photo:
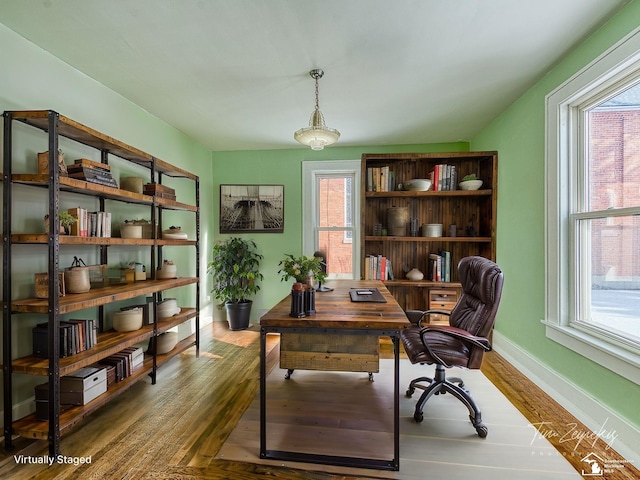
x=335 y=413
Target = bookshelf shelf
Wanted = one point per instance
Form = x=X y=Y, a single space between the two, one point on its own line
x=473 y=212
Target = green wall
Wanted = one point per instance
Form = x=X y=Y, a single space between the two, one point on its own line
x=518 y=134
x=33 y=79
x=285 y=167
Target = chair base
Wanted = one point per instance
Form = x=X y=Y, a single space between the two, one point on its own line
x=440 y=385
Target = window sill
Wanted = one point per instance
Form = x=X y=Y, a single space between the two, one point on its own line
x=617 y=359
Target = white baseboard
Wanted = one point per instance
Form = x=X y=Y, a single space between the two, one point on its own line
x=587 y=409
x=21 y=409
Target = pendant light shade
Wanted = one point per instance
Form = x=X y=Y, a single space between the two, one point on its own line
x=317 y=135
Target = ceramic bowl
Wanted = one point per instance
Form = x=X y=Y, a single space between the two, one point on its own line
x=165 y=342
x=174 y=234
x=167 y=308
x=418 y=185
x=130 y=231
x=127 y=320
x=168 y=270
x=470 y=185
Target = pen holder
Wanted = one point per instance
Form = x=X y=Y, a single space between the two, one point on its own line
x=310 y=301
x=297 y=304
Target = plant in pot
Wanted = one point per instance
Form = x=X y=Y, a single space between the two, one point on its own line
x=66 y=220
x=301 y=269
x=235 y=271
x=470 y=182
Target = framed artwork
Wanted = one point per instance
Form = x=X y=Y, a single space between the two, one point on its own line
x=251 y=208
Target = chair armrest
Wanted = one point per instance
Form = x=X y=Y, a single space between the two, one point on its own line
x=480 y=342
x=417 y=316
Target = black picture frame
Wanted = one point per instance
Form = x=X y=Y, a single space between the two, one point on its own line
x=251 y=208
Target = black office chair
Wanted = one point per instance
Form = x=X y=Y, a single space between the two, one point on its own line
x=462 y=343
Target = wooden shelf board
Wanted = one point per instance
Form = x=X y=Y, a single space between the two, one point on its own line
x=88 y=188
x=100 y=296
x=390 y=238
x=85 y=135
x=43 y=238
x=422 y=283
x=30 y=427
x=109 y=342
x=430 y=193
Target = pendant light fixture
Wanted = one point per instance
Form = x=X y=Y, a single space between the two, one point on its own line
x=317 y=135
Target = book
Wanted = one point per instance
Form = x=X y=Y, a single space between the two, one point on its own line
x=84 y=162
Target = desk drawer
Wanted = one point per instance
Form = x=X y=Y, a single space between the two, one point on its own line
x=330 y=352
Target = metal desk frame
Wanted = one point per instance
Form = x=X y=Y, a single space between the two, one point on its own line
x=356 y=462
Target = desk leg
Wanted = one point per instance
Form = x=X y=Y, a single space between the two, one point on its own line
x=396 y=403
x=263 y=393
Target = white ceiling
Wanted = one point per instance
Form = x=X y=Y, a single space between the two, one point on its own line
x=233 y=74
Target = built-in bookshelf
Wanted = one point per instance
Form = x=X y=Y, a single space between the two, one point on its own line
x=441 y=225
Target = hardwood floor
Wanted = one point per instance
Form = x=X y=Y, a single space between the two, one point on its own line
x=172 y=430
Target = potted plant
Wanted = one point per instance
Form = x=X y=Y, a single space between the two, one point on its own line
x=301 y=268
x=235 y=271
x=66 y=220
x=470 y=182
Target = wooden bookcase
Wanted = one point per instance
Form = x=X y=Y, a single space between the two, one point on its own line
x=473 y=212
x=61 y=418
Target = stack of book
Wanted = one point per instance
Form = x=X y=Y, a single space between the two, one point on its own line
x=75 y=336
x=90 y=224
x=440 y=266
x=125 y=362
x=380 y=179
x=444 y=177
x=159 y=190
x=378 y=267
x=90 y=171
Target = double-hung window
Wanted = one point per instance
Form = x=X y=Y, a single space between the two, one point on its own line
x=593 y=211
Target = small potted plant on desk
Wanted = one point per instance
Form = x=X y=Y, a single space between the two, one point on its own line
x=306 y=271
x=235 y=271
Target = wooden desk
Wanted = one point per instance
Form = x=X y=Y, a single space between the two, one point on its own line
x=336 y=315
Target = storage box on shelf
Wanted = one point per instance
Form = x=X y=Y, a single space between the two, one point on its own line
x=430 y=226
x=82 y=349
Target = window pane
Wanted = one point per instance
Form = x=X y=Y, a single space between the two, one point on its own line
x=335 y=216
x=333 y=202
x=614 y=281
x=614 y=152
x=339 y=253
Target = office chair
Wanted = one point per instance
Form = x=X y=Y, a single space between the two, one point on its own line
x=462 y=343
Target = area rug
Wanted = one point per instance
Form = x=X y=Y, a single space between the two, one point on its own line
x=337 y=413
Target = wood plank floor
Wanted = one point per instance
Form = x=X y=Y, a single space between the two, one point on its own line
x=172 y=430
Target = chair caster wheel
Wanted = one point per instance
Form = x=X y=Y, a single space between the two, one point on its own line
x=418 y=417
x=482 y=431
x=409 y=392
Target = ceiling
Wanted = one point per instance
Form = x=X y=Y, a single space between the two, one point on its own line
x=233 y=74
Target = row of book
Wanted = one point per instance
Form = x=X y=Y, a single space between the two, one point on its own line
x=380 y=179
x=93 y=172
x=378 y=267
x=444 y=177
x=75 y=336
x=124 y=363
x=439 y=268
x=90 y=224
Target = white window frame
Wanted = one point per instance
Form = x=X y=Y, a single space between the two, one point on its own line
x=561 y=168
x=311 y=170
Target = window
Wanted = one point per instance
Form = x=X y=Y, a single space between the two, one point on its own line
x=593 y=211
x=330 y=206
